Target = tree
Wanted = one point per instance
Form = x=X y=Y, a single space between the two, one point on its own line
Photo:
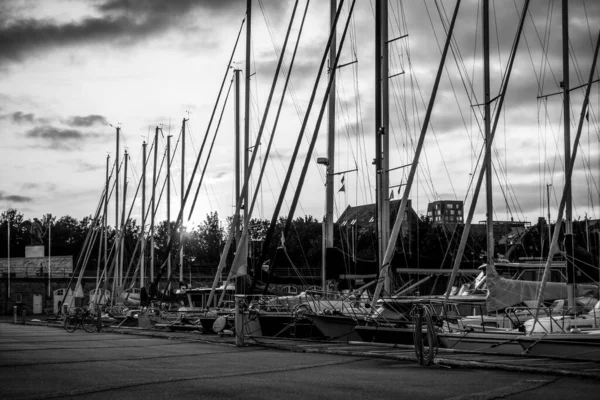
x=11 y=220
x=161 y=240
x=210 y=239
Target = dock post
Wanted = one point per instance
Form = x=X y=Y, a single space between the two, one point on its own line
x=239 y=319
x=98 y=318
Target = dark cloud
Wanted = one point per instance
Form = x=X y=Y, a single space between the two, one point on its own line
x=46 y=187
x=122 y=22
x=52 y=133
x=19 y=117
x=160 y=7
x=84 y=166
x=15 y=198
x=526 y=200
x=58 y=138
x=87 y=121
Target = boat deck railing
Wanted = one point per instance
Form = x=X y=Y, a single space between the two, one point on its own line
x=515 y=318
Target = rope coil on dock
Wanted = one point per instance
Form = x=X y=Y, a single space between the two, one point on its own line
x=426 y=344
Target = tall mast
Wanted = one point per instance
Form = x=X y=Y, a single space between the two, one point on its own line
x=247 y=117
x=142 y=234
x=169 y=203
x=567 y=139
x=240 y=268
x=153 y=208
x=8 y=223
x=123 y=222
x=117 y=183
x=237 y=148
x=270 y=230
x=566 y=188
x=239 y=283
x=105 y=219
x=549 y=227
x=385 y=141
x=181 y=236
x=49 y=252
x=488 y=138
x=330 y=148
x=117 y=196
x=480 y=178
x=384 y=264
x=378 y=188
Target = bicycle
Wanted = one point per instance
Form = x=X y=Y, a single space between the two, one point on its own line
x=83 y=318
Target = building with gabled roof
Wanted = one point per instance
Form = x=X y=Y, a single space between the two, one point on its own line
x=363 y=217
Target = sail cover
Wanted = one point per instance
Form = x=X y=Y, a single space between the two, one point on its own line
x=503 y=292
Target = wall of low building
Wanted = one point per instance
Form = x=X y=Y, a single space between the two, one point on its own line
x=31 y=267
x=25 y=289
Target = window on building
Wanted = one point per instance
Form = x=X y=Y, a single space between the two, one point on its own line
x=437 y=206
x=429 y=213
x=449 y=206
x=439 y=212
x=451 y=212
x=459 y=212
x=18 y=297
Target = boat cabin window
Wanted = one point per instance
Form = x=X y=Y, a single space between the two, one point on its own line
x=197 y=300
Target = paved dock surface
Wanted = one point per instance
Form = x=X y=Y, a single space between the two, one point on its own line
x=40 y=361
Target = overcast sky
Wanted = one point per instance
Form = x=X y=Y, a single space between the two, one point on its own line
x=71 y=69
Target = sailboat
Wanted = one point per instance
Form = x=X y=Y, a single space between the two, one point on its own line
x=504 y=292
x=575 y=335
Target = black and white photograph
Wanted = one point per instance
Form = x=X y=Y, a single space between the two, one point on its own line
x=299 y=199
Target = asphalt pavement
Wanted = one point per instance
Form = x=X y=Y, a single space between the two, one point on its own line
x=38 y=361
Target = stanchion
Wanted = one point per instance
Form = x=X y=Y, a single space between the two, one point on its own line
x=15 y=308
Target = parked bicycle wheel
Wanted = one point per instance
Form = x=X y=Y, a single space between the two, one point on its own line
x=71 y=323
x=89 y=324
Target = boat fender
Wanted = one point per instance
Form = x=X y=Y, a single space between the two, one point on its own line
x=219 y=324
x=300 y=310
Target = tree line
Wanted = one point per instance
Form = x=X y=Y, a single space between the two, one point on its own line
x=423 y=245
x=202 y=243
